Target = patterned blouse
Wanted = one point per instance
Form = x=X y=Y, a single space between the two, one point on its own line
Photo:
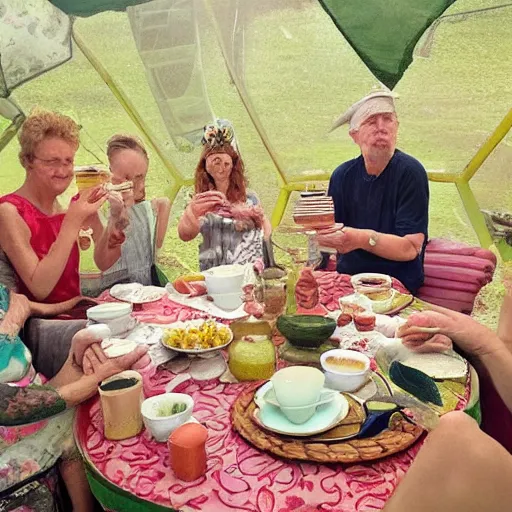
x=21 y=401
x=223 y=244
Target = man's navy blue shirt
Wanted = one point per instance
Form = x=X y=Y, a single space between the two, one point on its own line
x=395 y=202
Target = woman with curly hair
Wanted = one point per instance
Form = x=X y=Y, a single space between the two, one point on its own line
x=228 y=216
x=39 y=236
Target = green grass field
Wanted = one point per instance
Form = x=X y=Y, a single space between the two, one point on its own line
x=300 y=74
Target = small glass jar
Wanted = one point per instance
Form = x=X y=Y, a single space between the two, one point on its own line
x=252 y=355
x=274 y=292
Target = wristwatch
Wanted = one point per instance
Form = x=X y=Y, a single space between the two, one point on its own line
x=374 y=238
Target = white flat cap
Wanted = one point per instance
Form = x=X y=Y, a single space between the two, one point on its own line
x=378 y=102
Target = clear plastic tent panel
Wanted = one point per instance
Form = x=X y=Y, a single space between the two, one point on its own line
x=34 y=39
x=300 y=73
x=492 y=184
x=295 y=71
x=167 y=37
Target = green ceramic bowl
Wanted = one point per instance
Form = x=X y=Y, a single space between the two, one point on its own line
x=306 y=331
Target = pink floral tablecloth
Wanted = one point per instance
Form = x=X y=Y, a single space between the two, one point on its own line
x=239 y=477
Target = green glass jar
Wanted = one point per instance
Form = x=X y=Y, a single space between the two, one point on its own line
x=252 y=355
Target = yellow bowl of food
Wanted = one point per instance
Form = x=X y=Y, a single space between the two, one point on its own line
x=90 y=176
x=197 y=336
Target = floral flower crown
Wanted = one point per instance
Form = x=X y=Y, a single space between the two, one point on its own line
x=218 y=134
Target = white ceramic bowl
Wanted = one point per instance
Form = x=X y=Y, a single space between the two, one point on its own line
x=224 y=279
x=162 y=426
x=383 y=306
x=227 y=301
x=103 y=313
x=345 y=381
x=297 y=386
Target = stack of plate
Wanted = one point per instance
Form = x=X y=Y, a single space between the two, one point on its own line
x=314 y=211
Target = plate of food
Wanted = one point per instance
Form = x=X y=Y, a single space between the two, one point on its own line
x=189 y=285
x=136 y=293
x=438 y=366
x=197 y=336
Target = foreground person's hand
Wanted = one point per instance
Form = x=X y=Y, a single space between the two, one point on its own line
x=81 y=344
x=430 y=328
x=76 y=391
x=103 y=367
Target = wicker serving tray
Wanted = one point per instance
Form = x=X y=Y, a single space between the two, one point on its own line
x=351 y=451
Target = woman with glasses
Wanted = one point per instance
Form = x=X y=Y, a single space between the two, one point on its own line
x=37 y=235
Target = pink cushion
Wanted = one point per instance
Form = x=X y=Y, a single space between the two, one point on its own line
x=454 y=274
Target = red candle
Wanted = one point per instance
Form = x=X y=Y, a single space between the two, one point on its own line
x=187 y=450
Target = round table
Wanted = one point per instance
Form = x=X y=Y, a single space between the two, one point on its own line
x=134 y=474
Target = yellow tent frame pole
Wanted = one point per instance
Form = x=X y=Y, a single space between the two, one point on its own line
x=280 y=207
x=131 y=111
x=11 y=131
x=244 y=97
x=486 y=149
x=475 y=215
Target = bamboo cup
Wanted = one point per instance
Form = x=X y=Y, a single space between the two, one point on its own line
x=122 y=417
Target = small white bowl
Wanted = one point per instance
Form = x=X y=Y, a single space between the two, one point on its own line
x=227 y=301
x=224 y=279
x=383 y=306
x=345 y=381
x=103 y=313
x=162 y=426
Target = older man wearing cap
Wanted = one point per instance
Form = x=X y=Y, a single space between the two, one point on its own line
x=381 y=198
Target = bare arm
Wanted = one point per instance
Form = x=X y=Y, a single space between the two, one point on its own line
x=40 y=309
x=40 y=276
x=162 y=208
x=188 y=226
x=76 y=392
x=499 y=365
x=105 y=255
x=505 y=323
x=472 y=337
x=391 y=247
x=190 y=222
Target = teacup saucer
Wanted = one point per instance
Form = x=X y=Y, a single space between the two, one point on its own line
x=271 y=418
x=326 y=395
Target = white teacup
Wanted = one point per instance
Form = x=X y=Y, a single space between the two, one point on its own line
x=298 y=387
x=299 y=415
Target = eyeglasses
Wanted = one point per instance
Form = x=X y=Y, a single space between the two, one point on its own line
x=55 y=163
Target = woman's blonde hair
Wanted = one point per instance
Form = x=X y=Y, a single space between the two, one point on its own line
x=42 y=124
x=121 y=141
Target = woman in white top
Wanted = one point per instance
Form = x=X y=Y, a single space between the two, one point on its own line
x=148 y=219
